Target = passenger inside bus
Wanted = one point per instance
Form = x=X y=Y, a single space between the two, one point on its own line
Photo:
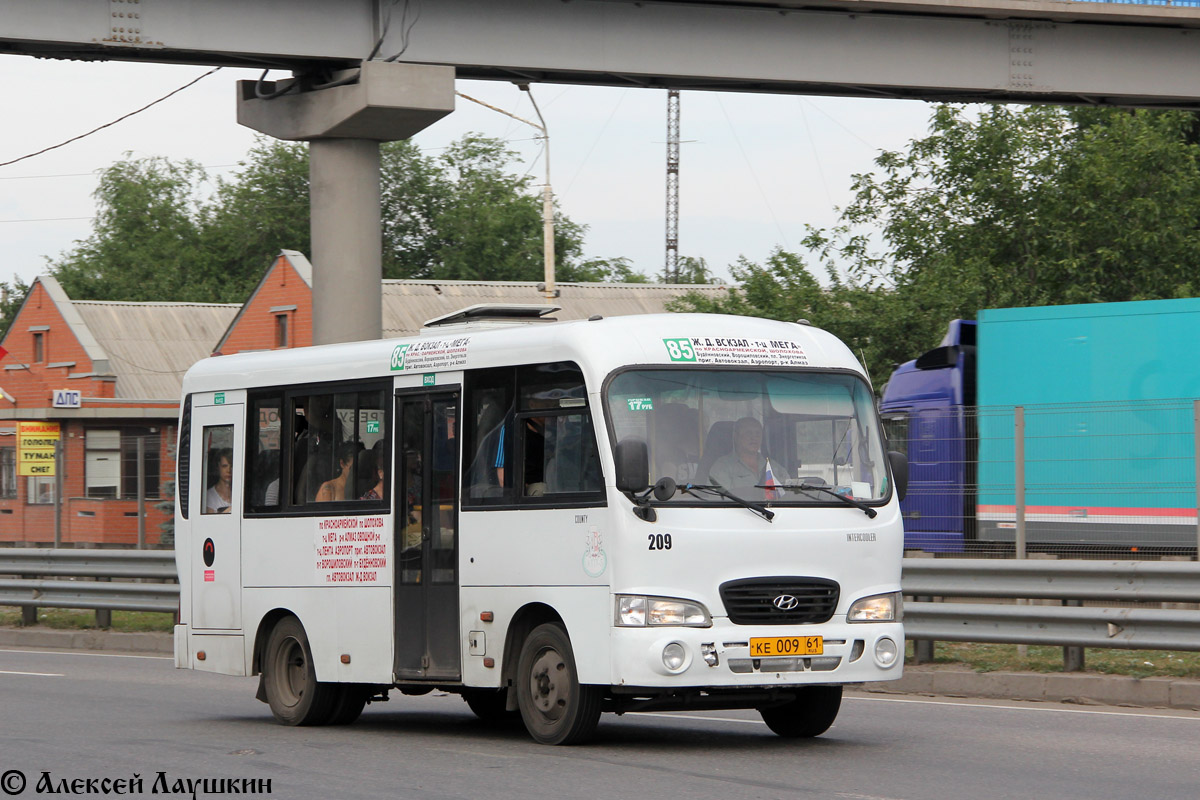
x=218 y=498
x=335 y=487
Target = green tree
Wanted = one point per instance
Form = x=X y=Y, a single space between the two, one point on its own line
x=147 y=239
x=1013 y=207
x=461 y=214
x=261 y=209
x=1032 y=206
x=12 y=294
x=690 y=269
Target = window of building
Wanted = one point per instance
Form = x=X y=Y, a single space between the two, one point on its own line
x=529 y=438
x=111 y=463
x=8 y=472
x=281 y=330
x=40 y=490
x=39 y=347
x=102 y=463
x=150 y=440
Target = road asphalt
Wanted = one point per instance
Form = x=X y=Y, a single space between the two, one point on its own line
x=935 y=680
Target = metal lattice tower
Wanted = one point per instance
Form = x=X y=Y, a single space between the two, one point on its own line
x=671 y=269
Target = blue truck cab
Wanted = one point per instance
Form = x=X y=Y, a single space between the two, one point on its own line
x=928 y=414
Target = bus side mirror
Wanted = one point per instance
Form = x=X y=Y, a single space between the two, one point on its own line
x=633 y=466
x=899 y=463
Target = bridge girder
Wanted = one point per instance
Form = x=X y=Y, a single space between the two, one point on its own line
x=972 y=50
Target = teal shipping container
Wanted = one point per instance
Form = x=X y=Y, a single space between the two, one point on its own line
x=1108 y=392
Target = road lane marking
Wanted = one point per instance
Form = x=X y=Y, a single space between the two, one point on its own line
x=38 y=674
x=84 y=653
x=1130 y=713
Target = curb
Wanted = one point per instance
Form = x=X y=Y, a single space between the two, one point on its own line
x=1049 y=687
x=114 y=641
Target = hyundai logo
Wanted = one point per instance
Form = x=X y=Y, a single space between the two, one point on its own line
x=785 y=602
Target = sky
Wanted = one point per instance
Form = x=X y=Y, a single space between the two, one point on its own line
x=754 y=168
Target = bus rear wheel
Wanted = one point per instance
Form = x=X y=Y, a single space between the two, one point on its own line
x=556 y=708
x=810 y=714
x=290 y=680
x=351 y=699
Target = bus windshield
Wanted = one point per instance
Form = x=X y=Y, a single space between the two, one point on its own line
x=762 y=435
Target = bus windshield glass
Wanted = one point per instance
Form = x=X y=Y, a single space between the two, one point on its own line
x=762 y=435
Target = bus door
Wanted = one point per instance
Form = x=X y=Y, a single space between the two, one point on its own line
x=426 y=536
x=216 y=516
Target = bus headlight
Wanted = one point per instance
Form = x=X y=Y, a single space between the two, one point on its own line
x=638 y=611
x=876 y=608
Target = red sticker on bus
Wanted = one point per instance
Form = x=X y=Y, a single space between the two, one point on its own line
x=210 y=575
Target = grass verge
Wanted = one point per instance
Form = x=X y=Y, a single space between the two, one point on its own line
x=69 y=619
x=1007 y=658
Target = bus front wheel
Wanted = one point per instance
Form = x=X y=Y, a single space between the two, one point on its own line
x=295 y=696
x=810 y=714
x=556 y=708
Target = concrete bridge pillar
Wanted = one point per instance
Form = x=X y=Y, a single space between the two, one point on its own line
x=344 y=123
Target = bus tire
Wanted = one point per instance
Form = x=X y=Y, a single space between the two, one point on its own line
x=295 y=696
x=810 y=714
x=350 y=701
x=556 y=708
x=491 y=706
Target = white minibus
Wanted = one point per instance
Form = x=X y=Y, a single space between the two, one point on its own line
x=550 y=519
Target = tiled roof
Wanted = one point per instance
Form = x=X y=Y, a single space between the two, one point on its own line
x=150 y=345
x=408 y=304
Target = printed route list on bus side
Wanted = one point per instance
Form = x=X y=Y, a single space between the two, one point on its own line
x=352 y=550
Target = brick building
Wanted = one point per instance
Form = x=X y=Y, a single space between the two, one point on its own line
x=127 y=360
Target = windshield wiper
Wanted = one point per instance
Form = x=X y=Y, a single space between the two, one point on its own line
x=761 y=510
x=808 y=487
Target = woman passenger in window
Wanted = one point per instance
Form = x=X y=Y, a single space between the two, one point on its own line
x=218 y=498
x=370 y=463
x=335 y=488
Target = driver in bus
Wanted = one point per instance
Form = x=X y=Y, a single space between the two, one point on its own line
x=745 y=466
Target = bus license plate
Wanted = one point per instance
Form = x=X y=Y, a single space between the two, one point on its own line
x=786 y=646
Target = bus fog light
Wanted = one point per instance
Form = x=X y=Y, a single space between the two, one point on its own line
x=886 y=652
x=674 y=657
x=708 y=651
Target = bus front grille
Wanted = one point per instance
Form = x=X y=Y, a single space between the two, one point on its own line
x=779 y=601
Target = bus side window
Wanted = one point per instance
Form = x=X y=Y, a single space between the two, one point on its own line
x=556 y=438
x=488 y=444
x=262 y=478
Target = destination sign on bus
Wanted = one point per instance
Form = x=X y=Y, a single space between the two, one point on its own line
x=733 y=350
x=352 y=550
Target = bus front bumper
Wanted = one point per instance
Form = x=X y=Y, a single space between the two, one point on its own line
x=721 y=656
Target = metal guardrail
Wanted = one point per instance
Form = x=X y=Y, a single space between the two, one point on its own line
x=113 y=590
x=1069 y=582
x=1066 y=625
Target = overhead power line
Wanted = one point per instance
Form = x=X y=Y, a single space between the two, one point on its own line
x=110 y=124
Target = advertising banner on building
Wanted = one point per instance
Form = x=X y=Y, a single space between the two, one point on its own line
x=35 y=448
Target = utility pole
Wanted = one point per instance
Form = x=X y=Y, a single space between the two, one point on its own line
x=671 y=269
x=549 y=290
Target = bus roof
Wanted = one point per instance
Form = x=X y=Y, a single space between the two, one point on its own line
x=598 y=345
